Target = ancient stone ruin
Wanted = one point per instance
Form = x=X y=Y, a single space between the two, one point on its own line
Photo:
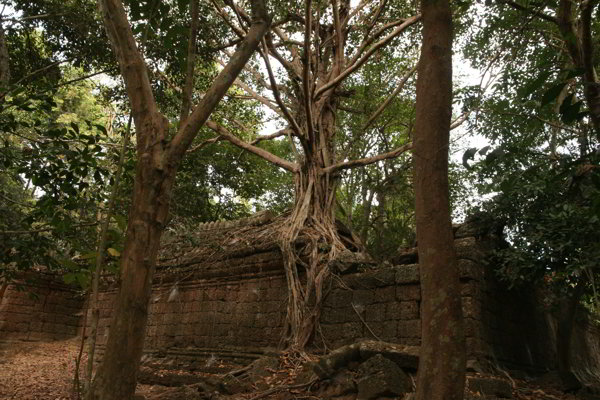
x=221 y=293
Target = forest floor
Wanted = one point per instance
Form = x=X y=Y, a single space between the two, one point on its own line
x=45 y=371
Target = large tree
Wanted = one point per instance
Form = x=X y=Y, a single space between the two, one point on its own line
x=441 y=373
x=308 y=57
x=158 y=156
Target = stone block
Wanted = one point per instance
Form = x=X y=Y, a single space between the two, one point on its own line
x=363 y=297
x=490 y=387
x=471 y=308
x=471 y=288
x=36 y=336
x=374 y=312
x=385 y=294
x=389 y=331
x=469 y=269
x=407 y=274
x=334 y=316
x=339 y=298
x=409 y=328
x=472 y=327
x=379 y=377
x=408 y=292
x=409 y=310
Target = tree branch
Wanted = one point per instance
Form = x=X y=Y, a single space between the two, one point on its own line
x=369 y=160
x=188 y=131
x=306 y=72
x=587 y=42
x=284 y=109
x=537 y=13
x=387 y=101
x=272 y=158
x=338 y=33
x=44 y=229
x=133 y=68
x=191 y=61
x=279 y=133
x=407 y=23
x=204 y=143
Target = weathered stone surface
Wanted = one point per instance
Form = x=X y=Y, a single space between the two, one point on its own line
x=378 y=376
x=403 y=356
x=343 y=383
x=348 y=262
x=489 y=386
x=407 y=274
x=406 y=256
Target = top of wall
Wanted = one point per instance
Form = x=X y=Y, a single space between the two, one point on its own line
x=251 y=245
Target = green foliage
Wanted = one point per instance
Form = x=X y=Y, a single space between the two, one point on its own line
x=540 y=175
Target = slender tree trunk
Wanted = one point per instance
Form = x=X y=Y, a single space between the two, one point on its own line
x=4 y=62
x=94 y=298
x=441 y=374
x=565 y=323
x=117 y=375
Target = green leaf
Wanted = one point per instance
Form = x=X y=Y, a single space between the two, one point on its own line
x=113 y=252
x=469 y=155
x=121 y=222
x=82 y=279
x=69 y=264
x=574 y=72
x=69 y=278
x=569 y=113
x=88 y=256
x=101 y=128
x=552 y=93
x=531 y=87
x=75 y=127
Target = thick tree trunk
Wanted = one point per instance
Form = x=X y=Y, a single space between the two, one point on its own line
x=312 y=219
x=441 y=373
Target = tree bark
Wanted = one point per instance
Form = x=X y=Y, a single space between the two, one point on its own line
x=4 y=62
x=567 y=310
x=117 y=374
x=441 y=373
x=101 y=248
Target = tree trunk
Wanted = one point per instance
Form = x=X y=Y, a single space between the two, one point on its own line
x=101 y=248
x=4 y=63
x=441 y=373
x=116 y=377
x=312 y=219
x=567 y=310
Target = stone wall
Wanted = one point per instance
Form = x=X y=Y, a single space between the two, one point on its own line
x=232 y=304
x=239 y=304
x=214 y=311
x=40 y=308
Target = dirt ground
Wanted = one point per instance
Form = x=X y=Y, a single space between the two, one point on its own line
x=46 y=370
x=37 y=370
